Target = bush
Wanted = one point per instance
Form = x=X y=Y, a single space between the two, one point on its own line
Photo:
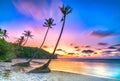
x=6 y=50
x=28 y=52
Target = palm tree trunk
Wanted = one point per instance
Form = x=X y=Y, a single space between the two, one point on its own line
x=41 y=45
x=45 y=37
x=25 y=41
x=47 y=64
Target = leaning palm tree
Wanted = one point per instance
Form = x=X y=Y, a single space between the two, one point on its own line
x=28 y=35
x=65 y=11
x=49 y=23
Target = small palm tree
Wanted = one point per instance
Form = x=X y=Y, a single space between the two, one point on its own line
x=65 y=11
x=3 y=34
x=28 y=35
x=20 y=40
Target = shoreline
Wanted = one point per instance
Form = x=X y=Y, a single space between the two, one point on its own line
x=85 y=74
x=78 y=77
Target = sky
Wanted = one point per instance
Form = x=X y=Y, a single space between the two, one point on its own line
x=91 y=30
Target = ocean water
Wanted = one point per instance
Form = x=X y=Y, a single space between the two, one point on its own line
x=109 y=68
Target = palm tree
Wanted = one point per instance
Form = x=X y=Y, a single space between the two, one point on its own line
x=20 y=40
x=28 y=35
x=48 y=23
x=3 y=34
x=65 y=11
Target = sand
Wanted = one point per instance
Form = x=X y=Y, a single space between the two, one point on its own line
x=53 y=76
x=6 y=75
x=65 y=76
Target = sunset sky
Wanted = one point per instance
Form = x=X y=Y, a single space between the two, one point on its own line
x=91 y=30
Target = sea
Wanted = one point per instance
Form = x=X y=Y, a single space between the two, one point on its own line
x=107 y=68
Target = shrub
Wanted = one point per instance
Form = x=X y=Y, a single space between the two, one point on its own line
x=6 y=50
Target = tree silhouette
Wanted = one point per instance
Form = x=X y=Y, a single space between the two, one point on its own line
x=20 y=40
x=3 y=34
x=48 y=23
x=65 y=11
x=28 y=35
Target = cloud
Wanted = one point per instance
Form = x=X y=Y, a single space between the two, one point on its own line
x=116 y=45
x=102 y=44
x=61 y=50
x=76 y=47
x=71 y=53
x=87 y=51
x=71 y=44
x=118 y=49
x=37 y=9
x=107 y=52
x=87 y=46
x=45 y=46
x=102 y=34
x=111 y=47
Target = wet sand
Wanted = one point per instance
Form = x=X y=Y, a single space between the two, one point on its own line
x=65 y=76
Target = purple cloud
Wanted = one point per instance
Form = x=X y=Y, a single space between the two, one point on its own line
x=37 y=8
x=102 y=34
x=87 y=51
x=118 y=49
x=87 y=46
x=116 y=45
x=107 y=52
x=111 y=47
x=102 y=44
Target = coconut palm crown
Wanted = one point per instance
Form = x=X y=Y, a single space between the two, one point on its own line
x=49 y=23
x=28 y=35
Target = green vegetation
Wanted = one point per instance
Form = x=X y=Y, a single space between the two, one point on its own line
x=6 y=50
x=28 y=52
x=9 y=51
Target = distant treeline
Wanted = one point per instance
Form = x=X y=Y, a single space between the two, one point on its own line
x=27 y=52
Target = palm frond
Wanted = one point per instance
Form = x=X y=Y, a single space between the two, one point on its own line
x=65 y=10
x=49 y=23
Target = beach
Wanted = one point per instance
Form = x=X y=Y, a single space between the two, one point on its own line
x=8 y=73
x=66 y=76
x=53 y=76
